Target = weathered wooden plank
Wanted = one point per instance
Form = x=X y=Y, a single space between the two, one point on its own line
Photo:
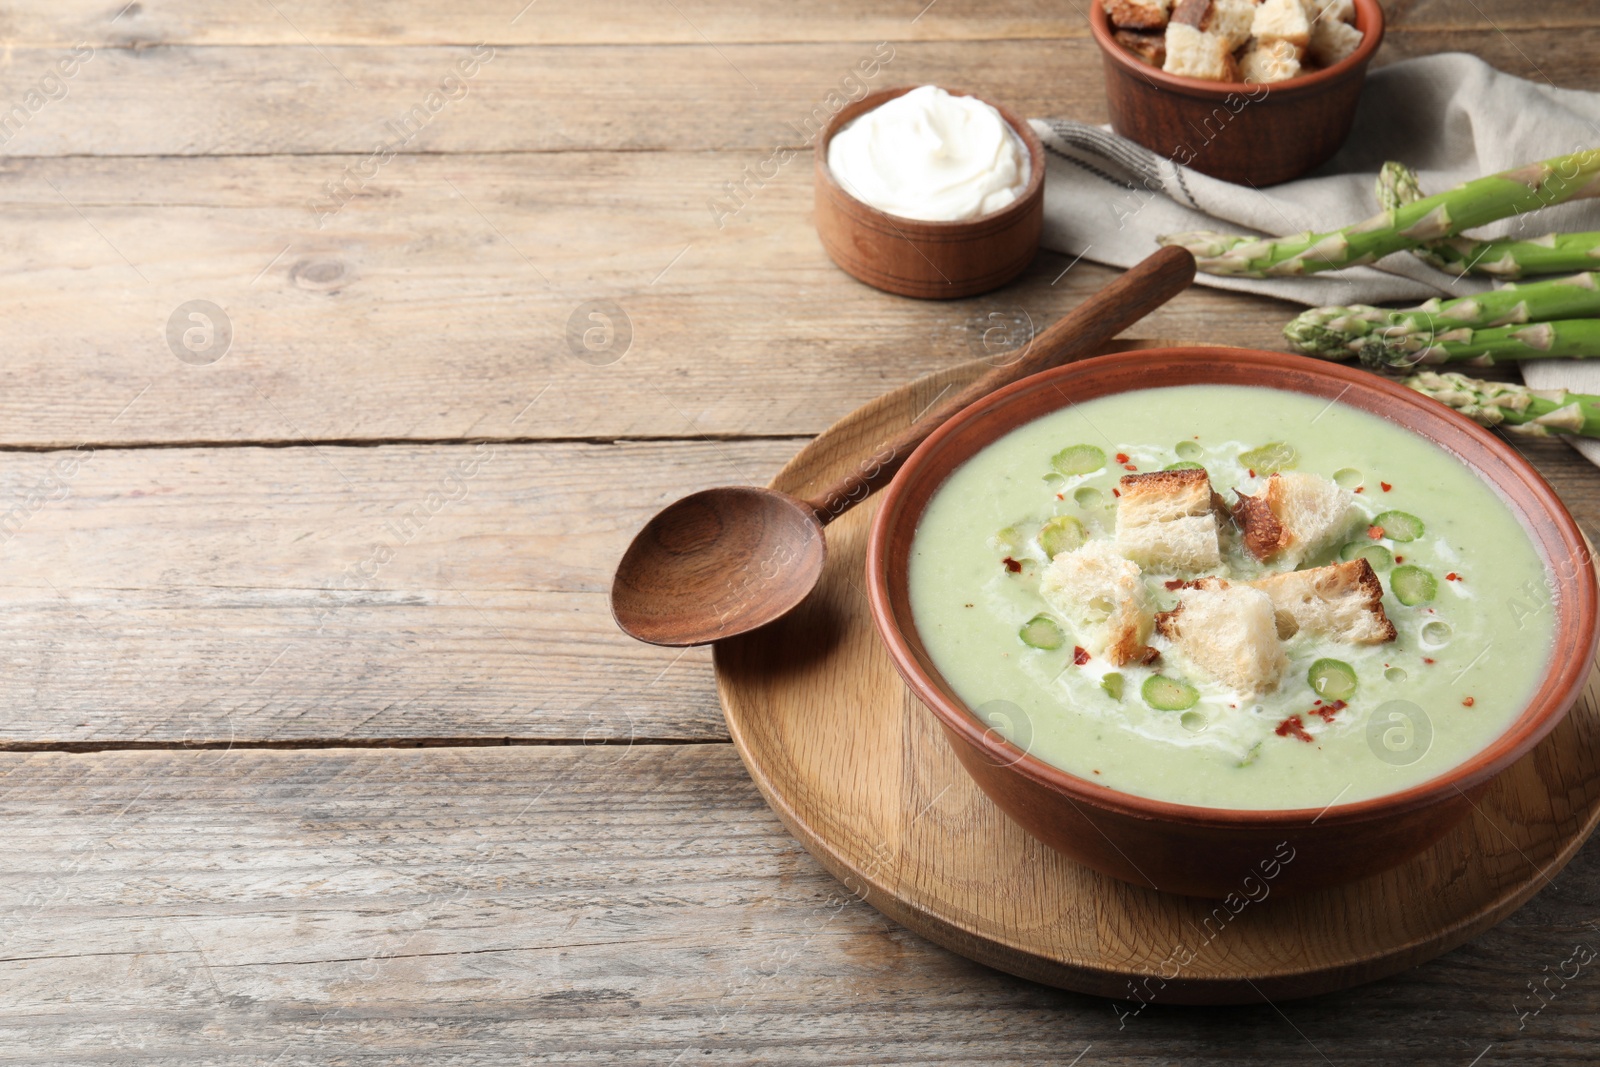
x=604 y=906
x=437 y=304
x=1424 y=16
x=242 y=595
x=646 y=22
x=1555 y=56
x=301 y=99
x=618 y=22
x=211 y=100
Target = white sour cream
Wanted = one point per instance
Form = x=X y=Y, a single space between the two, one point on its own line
x=931 y=156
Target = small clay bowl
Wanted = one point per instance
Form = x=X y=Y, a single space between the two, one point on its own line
x=1204 y=851
x=932 y=260
x=1247 y=134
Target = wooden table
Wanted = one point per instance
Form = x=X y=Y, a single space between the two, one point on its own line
x=320 y=744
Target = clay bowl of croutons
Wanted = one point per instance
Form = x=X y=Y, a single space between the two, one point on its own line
x=1250 y=91
x=1298 y=663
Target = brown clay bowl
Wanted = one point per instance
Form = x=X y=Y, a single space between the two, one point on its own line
x=932 y=260
x=1203 y=851
x=1247 y=134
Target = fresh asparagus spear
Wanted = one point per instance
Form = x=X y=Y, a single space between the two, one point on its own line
x=1570 y=338
x=1505 y=257
x=1338 y=332
x=1554 y=253
x=1577 y=297
x=1537 y=412
x=1334 y=332
x=1397 y=186
x=1497 y=196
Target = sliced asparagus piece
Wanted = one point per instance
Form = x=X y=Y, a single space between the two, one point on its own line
x=1332 y=679
x=1570 y=338
x=1079 y=459
x=1042 y=631
x=1061 y=534
x=1399 y=526
x=1270 y=458
x=1412 y=585
x=1412 y=225
x=1505 y=257
x=1536 y=412
x=1168 y=694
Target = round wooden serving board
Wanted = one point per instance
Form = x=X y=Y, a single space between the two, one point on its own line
x=857 y=770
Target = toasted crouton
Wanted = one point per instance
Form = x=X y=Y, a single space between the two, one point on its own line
x=1282 y=20
x=1343 y=601
x=1195 y=54
x=1165 y=521
x=1102 y=597
x=1137 y=14
x=1270 y=61
x=1150 y=47
x=1231 y=20
x=1228 y=631
x=1190 y=13
x=1294 y=516
x=1332 y=41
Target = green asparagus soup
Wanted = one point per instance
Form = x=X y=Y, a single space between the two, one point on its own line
x=1353 y=612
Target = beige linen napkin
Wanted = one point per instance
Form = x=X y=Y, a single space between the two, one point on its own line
x=1450 y=117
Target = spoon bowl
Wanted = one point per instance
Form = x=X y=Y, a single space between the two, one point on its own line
x=717 y=563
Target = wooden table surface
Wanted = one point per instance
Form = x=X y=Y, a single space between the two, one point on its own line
x=320 y=745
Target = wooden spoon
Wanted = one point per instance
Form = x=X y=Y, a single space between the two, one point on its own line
x=725 y=561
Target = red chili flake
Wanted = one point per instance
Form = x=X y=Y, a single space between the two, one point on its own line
x=1327 y=712
x=1375 y=532
x=1116 y=492
x=1385 y=486
x=1316 y=701
x=1468 y=702
x=1361 y=489
x=1129 y=467
x=1061 y=496
x=1252 y=474
x=1122 y=457
x=1452 y=577
x=1079 y=656
x=1012 y=565
x=1399 y=559
x=1428 y=661
x=1233 y=705
x=1293 y=727
x=1174 y=583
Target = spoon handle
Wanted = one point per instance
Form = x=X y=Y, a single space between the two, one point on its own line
x=1080 y=333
